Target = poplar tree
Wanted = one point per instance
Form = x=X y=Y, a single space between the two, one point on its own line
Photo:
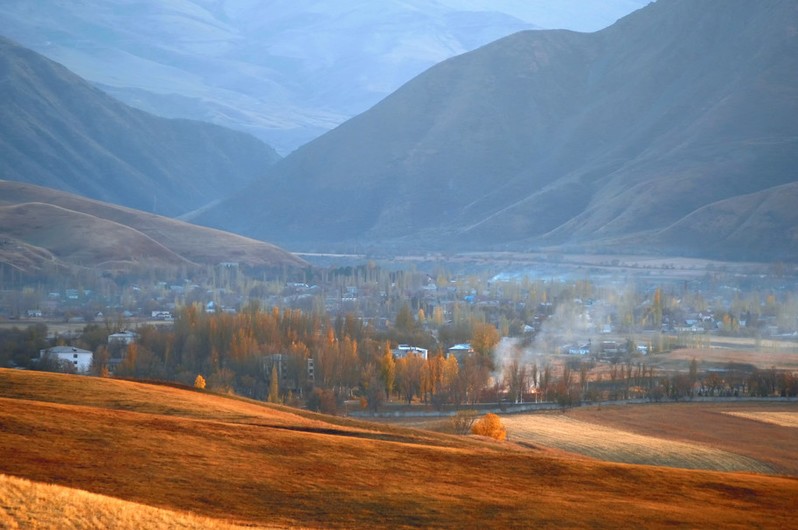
x=274 y=387
x=388 y=371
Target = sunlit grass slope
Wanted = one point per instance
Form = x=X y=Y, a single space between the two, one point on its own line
x=766 y=432
x=616 y=445
x=26 y=504
x=247 y=463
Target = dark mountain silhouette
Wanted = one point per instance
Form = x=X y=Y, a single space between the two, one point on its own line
x=679 y=114
x=42 y=229
x=56 y=130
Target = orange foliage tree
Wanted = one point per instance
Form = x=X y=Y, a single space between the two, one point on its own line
x=490 y=425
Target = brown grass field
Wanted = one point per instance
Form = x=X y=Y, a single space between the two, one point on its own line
x=616 y=445
x=26 y=504
x=782 y=355
x=246 y=463
x=741 y=428
x=782 y=419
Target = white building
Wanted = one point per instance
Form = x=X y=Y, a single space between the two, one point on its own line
x=123 y=337
x=80 y=360
x=460 y=351
x=403 y=350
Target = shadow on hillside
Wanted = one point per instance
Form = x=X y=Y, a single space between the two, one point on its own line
x=365 y=435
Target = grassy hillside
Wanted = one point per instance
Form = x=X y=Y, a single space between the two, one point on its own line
x=249 y=463
x=74 y=230
x=26 y=504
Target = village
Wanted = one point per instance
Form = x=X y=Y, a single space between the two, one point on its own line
x=586 y=320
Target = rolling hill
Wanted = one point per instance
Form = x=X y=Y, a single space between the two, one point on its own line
x=283 y=71
x=248 y=463
x=636 y=138
x=56 y=130
x=41 y=229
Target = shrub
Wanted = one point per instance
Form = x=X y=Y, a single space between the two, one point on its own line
x=462 y=422
x=490 y=425
x=323 y=401
x=199 y=382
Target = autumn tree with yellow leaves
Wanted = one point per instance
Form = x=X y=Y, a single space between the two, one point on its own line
x=490 y=425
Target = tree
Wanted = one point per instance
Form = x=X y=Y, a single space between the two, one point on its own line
x=438 y=316
x=472 y=378
x=545 y=382
x=405 y=322
x=656 y=308
x=490 y=425
x=388 y=371
x=324 y=401
x=222 y=380
x=408 y=375
x=99 y=363
x=372 y=386
x=484 y=337
x=274 y=386
x=463 y=421
x=199 y=382
x=515 y=378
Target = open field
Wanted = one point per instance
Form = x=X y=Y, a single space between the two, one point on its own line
x=782 y=419
x=252 y=464
x=785 y=358
x=761 y=431
x=616 y=445
x=759 y=437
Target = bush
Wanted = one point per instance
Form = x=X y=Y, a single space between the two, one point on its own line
x=462 y=422
x=323 y=401
x=199 y=382
x=490 y=425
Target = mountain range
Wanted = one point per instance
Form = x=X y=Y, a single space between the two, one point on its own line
x=283 y=71
x=673 y=130
x=44 y=230
x=57 y=130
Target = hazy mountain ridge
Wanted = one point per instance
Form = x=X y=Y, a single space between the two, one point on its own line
x=42 y=227
x=559 y=138
x=58 y=131
x=286 y=72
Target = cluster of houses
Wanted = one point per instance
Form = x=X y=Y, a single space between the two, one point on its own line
x=78 y=360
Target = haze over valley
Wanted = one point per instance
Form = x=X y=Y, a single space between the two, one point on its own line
x=285 y=72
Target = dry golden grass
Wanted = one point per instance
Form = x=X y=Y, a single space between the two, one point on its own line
x=710 y=425
x=251 y=464
x=783 y=357
x=67 y=224
x=26 y=504
x=615 y=445
x=782 y=419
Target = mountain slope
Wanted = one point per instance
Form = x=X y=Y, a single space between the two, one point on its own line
x=270 y=466
x=555 y=138
x=41 y=227
x=283 y=71
x=56 y=130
